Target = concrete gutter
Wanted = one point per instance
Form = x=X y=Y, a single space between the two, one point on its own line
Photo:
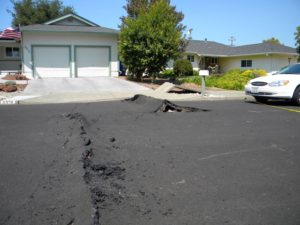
x=114 y=96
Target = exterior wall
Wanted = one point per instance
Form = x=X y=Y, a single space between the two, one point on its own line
x=9 y=63
x=269 y=63
x=72 y=39
x=195 y=64
x=70 y=22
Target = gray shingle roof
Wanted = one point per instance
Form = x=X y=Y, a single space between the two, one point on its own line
x=210 y=48
x=59 y=28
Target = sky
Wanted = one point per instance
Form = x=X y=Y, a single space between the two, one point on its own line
x=249 y=22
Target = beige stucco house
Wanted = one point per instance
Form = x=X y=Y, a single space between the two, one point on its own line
x=10 y=51
x=267 y=56
x=69 y=46
x=72 y=46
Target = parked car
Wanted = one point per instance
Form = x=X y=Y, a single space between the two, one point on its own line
x=276 y=71
x=283 y=85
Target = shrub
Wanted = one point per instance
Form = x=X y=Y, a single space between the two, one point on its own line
x=191 y=79
x=9 y=83
x=234 y=79
x=167 y=74
x=183 y=67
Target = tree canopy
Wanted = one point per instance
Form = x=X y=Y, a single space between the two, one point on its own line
x=150 y=36
x=297 y=38
x=272 y=41
x=26 y=12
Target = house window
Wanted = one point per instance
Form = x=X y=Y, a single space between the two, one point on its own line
x=191 y=58
x=246 y=63
x=214 y=61
x=12 y=52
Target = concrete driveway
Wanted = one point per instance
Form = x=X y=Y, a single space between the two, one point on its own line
x=81 y=85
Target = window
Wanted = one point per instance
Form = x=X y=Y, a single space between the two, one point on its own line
x=12 y=52
x=214 y=61
x=246 y=63
x=191 y=58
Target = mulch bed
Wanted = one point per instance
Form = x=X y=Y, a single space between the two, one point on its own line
x=15 y=77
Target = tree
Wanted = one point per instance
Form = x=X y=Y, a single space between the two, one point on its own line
x=272 y=41
x=26 y=12
x=297 y=38
x=134 y=7
x=150 y=37
x=183 y=67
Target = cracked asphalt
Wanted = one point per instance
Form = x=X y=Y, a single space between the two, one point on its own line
x=126 y=162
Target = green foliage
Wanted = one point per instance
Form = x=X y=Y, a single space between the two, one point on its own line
x=148 y=41
x=272 y=41
x=297 y=38
x=234 y=79
x=183 y=67
x=195 y=73
x=167 y=74
x=135 y=7
x=26 y=12
x=10 y=82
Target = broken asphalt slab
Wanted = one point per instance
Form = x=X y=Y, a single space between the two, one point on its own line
x=125 y=162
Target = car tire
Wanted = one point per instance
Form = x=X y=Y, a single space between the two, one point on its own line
x=296 y=96
x=261 y=99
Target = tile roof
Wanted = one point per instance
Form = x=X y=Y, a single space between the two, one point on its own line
x=210 y=48
x=61 y=28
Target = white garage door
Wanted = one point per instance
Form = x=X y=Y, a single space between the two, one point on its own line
x=92 y=61
x=51 y=61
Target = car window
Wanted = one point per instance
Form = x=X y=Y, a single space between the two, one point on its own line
x=292 y=69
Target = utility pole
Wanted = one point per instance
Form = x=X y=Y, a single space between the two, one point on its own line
x=231 y=39
x=190 y=34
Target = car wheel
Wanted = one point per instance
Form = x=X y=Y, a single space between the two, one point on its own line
x=261 y=99
x=296 y=96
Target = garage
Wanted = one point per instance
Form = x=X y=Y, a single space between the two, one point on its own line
x=92 y=61
x=51 y=61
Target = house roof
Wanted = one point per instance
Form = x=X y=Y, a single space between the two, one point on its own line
x=61 y=28
x=52 y=26
x=72 y=15
x=210 y=48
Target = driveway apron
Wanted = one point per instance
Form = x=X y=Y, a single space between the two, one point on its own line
x=82 y=85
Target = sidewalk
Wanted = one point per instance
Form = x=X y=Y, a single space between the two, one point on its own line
x=113 y=96
x=28 y=97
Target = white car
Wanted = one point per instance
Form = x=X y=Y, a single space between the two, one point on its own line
x=283 y=85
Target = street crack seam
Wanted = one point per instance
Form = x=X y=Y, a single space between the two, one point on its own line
x=95 y=175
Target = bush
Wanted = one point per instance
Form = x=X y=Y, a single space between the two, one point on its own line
x=168 y=74
x=9 y=83
x=183 y=67
x=232 y=80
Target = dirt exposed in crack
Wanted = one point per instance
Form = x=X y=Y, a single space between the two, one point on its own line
x=96 y=175
x=162 y=105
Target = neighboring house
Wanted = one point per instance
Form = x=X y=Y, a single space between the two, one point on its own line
x=267 y=56
x=10 y=51
x=69 y=46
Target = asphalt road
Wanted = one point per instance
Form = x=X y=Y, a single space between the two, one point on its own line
x=231 y=162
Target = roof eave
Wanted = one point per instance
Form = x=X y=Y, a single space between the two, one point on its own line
x=70 y=31
x=8 y=41
x=209 y=55
x=264 y=53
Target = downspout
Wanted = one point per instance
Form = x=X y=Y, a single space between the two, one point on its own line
x=22 y=53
